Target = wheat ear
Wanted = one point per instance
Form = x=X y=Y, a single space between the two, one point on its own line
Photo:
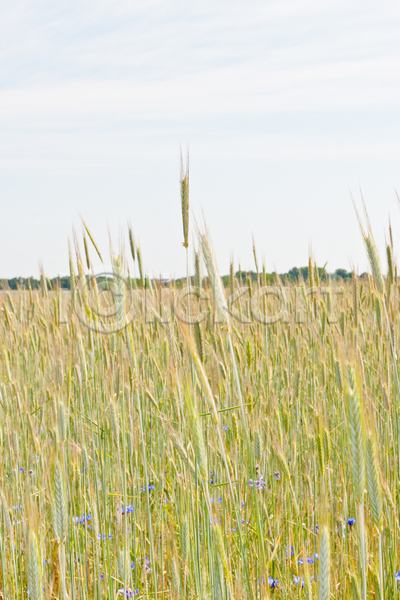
x=34 y=569
x=324 y=565
x=60 y=504
x=357 y=448
x=184 y=183
x=196 y=436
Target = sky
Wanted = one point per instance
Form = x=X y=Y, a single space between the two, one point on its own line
x=288 y=108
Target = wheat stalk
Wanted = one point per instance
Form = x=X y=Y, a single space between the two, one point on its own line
x=375 y=496
x=184 y=183
x=324 y=565
x=373 y=480
x=34 y=569
x=196 y=435
x=357 y=445
x=215 y=279
x=60 y=504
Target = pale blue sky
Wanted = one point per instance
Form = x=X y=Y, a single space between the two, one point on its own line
x=285 y=106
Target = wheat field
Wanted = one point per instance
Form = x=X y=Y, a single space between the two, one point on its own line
x=224 y=458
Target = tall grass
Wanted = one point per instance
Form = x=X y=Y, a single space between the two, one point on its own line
x=229 y=459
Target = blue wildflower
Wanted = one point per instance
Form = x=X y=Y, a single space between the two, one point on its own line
x=273 y=583
x=291 y=550
x=350 y=522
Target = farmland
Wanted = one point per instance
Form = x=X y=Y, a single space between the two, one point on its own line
x=249 y=452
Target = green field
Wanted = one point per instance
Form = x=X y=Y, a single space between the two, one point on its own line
x=227 y=458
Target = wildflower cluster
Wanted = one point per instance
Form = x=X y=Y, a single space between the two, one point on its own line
x=82 y=519
x=128 y=593
x=259 y=483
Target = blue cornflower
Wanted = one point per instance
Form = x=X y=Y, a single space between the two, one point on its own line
x=291 y=550
x=260 y=483
x=397 y=576
x=350 y=522
x=299 y=580
x=300 y=561
x=151 y=487
x=310 y=561
x=273 y=583
x=225 y=427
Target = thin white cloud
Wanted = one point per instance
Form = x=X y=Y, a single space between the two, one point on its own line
x=228 y=91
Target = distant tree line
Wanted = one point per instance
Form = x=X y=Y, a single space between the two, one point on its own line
x=26 y=283
x=293 y=276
